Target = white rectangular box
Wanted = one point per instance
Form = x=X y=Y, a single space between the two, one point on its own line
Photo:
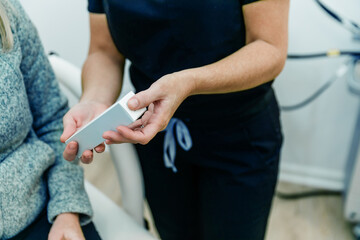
x=90 y=135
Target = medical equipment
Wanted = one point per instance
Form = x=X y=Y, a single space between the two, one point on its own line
x=352 y=190
x=349 y=69
x=340 y=72
x=351 y=26
x=354 y=28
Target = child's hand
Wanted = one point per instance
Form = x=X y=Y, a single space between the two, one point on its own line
x=66 y=227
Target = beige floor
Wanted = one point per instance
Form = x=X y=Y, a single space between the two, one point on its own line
x=318 y=218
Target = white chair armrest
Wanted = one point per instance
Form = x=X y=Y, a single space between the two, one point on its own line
x=67 y=74
x=130 y=177
x=111 y=221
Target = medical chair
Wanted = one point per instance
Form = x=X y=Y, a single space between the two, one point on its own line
x=111 y=221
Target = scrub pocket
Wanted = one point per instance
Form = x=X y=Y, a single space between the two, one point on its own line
x=264 y=134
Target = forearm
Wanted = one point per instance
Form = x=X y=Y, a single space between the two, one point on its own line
x=251 y=66
x=102 y=78
x=259 y=61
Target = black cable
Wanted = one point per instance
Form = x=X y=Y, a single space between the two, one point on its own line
x=338 y=74
x=306 y=194
x=327 y=10
x=310 y=99
x=347 y=23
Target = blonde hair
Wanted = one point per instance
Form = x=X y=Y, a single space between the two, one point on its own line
x=5 y=30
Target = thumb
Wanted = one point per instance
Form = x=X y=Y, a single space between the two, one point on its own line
x=69 y=128
x=143 y=99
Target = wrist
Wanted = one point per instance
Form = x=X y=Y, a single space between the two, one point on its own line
x=88 y=99
x=189 y=79
x=199 y=80
x=99 y=94
x=74 y=217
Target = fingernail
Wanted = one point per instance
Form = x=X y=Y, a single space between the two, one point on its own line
x=133 y=103
x=71 y=146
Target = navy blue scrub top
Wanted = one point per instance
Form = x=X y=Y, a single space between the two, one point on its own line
x=164 y=36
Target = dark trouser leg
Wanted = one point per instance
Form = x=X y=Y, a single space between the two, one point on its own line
x=235 y=207
x=238 y=177
x=224 y=185
x=171 y=196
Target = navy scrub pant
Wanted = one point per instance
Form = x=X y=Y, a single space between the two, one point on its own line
x=40 y=228
x=225 y=183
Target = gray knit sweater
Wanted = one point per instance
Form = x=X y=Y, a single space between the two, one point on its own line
x=33 y=174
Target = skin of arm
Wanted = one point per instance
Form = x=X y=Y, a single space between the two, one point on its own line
x=66 y=227
x=102 y=75
x=259 y=61
x=104 y=62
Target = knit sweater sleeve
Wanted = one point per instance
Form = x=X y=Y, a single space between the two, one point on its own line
x=48 y=106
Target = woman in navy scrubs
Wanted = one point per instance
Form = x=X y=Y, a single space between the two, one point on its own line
x=204 y=69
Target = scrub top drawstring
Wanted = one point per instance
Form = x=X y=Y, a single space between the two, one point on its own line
x=183 y=138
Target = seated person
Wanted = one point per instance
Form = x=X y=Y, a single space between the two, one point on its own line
x=42 y=196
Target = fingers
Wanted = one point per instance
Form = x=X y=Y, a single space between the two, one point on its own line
x=100 y=148
x=137 y=124
x=141 y=135
x=112 y=137
x=147 y=115
x=69 y=128
x=144 y=119
x=144 y=98
x=70 y=151
x=141 y=131
x=87 y=156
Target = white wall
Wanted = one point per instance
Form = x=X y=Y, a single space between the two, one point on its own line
x=63 y=26
x=317 y=137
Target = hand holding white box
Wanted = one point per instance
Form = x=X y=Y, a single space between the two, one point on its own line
x=90 y=135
